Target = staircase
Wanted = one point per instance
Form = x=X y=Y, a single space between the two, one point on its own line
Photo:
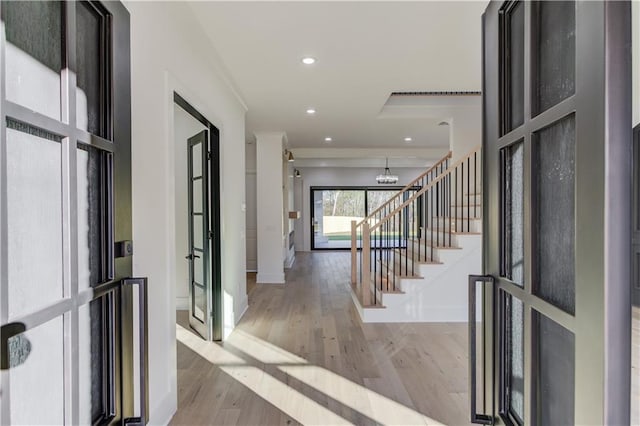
x=410 y=258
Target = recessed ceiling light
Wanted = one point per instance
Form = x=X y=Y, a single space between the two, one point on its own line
x=311 y=111
x=408 y=139
x=327 y=139
x=308 y=60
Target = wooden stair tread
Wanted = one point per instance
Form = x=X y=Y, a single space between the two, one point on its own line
x=421 y=262
x=457 y=218
x=427 y=230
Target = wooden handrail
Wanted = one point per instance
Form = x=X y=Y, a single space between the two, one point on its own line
x=406 y=188
x=424 y=189
x=397 y=228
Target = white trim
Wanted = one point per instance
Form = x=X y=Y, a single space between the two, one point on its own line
x=164 y=411
x=356 y=303
x=270 y=278
x=244 y=311
x=182 y=303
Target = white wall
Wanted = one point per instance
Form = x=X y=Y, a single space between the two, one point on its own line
x=635 y=45
x=465 y=132
x=270 y=186
x=339 y=176
x=169 y=52
x=185 y=126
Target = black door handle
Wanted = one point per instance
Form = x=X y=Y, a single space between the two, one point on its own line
x=478 y=418
x=192 y=256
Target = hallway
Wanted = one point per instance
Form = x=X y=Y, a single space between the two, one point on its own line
x=301 y=355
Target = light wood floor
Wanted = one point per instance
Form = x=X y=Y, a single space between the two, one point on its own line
x=251 y=281
x=300 y=355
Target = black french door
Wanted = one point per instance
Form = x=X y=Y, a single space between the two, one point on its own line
x=200 y=306
x=550 y=320
x=67 y=299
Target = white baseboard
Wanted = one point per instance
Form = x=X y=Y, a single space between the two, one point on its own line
x=163 y=412
x=182 y=303
x=244 y=311
x=270 y=278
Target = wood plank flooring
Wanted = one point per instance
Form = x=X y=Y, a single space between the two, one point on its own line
x=300 y=355
x=251 y=281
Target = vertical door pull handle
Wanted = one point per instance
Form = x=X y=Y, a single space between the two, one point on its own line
x=479 y=418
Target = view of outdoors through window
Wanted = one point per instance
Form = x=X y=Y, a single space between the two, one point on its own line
x=334 y=209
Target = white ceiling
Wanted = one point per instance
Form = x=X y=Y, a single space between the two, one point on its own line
x=365 y=51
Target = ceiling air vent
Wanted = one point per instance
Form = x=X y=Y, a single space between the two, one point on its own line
x=445 y=93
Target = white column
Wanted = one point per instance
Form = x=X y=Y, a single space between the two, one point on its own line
x=269 y=150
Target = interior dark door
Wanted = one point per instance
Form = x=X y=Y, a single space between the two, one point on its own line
x=557 y=174
x=200 y=306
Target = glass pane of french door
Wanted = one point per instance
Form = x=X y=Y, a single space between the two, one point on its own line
x=200 y=303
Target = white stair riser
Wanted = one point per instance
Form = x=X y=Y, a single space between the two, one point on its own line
x=466 y=211
x=377 y=293
x=404 y=266
x=467 y=199
x=441 y=255
x=441 y=238
x=419 y=252
x=471 y=224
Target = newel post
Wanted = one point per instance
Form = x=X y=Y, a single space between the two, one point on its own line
x=354 y=253
x=366 y=265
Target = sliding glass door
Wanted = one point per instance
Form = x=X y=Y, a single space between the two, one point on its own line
x=333 y=209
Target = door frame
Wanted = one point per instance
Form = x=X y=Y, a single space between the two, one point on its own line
x=215 y=295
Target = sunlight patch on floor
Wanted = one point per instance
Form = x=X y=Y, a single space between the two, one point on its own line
x=262 y=351
x=300 y=407
x=207 y=350
x=373 y=405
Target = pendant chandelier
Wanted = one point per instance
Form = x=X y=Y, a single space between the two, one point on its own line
x=386 y=177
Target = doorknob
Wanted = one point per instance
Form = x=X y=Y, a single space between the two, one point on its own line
x=192 y=256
